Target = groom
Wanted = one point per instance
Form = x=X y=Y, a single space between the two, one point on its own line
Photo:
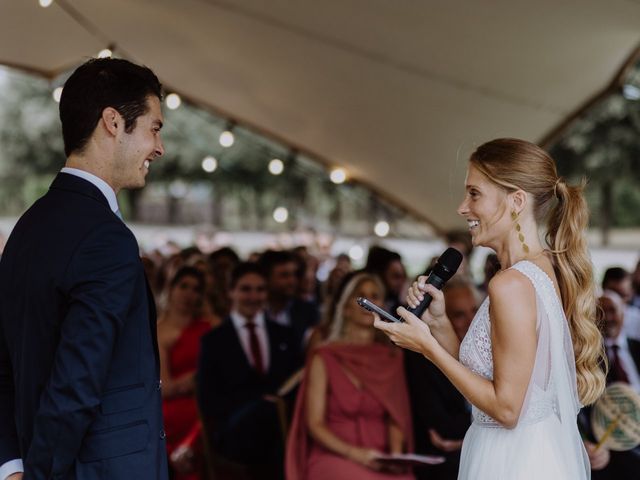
x=79 y=372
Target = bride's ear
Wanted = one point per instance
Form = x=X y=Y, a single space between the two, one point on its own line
x=518 y=201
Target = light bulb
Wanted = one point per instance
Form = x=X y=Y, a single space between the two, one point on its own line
x=106 y=53
x=173 y=101
x=338 y=175
x=280 y=214
x=57 y=94
x=209 y=164
x=382 y=228
x=227 y=139
x=356 y=253
x=276 y=167
x=45 y=3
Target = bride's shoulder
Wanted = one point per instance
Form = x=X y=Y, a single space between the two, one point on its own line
x=510 y=285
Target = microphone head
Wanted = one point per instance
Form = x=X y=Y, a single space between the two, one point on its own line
x=448 y=264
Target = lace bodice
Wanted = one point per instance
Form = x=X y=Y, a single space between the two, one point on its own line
x=476 y=353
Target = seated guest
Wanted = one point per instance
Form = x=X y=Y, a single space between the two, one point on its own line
x=242 y=364
x=353 y=404
x=388 y=266
x=179 y=332
x=624 y=366
x=441 y=416
x=283 y=306
x=618 y=280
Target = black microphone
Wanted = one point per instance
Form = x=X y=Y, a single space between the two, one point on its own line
x=444 y=269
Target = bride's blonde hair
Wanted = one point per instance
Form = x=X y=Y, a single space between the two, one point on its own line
x=519 y=165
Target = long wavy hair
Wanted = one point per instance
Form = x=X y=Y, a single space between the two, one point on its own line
x=519 y=165
x=338 y=324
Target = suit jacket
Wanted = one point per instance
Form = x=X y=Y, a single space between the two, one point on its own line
x=620 y=463
x=230 y=391
x=304 y=315
x=79 y=369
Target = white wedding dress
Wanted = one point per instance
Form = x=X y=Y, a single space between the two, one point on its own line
x=545 y=444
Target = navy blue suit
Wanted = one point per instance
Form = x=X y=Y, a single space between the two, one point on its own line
x=241 y=423
x=79 y=370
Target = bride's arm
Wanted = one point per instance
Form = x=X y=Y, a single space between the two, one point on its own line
x=514 y=341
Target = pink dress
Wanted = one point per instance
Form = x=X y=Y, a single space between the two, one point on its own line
x=355 y=414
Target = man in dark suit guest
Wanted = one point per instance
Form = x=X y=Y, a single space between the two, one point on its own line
x=624 y=366
x=441 y=415
x=242 y=365
x=283 y=306
x=79 y=371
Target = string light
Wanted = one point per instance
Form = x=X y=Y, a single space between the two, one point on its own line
x=227 y=138
x=57 y=94
x=106 y=53
x=280 y=214
x=173 y=101
x=338 y=175
x=356 y=253
x=45 y=3
x=276 y=167
x=381 y=228
x=209 y=164
x=631 y=92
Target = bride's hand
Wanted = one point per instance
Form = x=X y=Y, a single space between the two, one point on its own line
x=412 y=334
x=435 y=314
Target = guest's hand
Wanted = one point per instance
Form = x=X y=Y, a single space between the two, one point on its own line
x=183 y=459
x=444 y=444
x=365 y=457
x=412 y=334
x=598 y=458
x=15 y=476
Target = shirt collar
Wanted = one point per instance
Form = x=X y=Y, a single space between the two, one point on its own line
x=239 y=321
x=103 y=186
x=620 y=341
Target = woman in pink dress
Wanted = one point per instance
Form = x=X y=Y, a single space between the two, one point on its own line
x=353 y=404
x=179 y=332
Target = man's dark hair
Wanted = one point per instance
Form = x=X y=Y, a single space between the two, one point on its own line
x=271 y=258
x=614 y=274
x=245 y=268
x=224 y=252
x=379 y=259
x=98 y=84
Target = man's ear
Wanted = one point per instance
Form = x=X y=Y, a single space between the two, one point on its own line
x=112 y=120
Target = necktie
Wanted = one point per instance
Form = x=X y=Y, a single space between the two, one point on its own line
x=254 y=346
x=617 y=372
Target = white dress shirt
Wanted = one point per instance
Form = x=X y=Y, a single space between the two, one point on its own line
x=626 y=360
x=16 y=466
x=239 y=323
x=632 y=322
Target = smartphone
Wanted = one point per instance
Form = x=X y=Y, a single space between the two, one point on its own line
x=372 y=307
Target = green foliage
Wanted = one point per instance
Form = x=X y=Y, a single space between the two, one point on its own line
x=604 y=146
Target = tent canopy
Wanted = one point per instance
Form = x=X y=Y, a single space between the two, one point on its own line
x=398 y=93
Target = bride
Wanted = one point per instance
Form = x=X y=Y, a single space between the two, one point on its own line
x=533 y=352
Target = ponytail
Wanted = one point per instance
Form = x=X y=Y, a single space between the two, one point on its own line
x=566 y=227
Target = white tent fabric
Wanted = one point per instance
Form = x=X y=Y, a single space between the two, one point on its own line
x=397 y=92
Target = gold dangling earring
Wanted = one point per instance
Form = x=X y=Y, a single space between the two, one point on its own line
x=514 y=217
